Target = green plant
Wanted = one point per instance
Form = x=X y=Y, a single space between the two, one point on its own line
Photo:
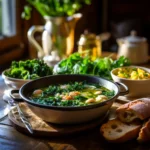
x=54 y=7
x=76 y=64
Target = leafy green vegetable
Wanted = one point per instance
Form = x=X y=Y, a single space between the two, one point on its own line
x=76 y=64
x=54 y=7
x=28 y=69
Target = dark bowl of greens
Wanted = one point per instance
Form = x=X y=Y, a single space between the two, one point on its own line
x=21 y=72
x=70 y=99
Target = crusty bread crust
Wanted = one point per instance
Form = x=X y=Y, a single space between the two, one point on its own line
x=144 y=134
x=117 y=132
x=139 y=108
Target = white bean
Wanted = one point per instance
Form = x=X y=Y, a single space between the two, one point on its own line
x=63 y=86
x=90 y=100
x=37 y=92
x=57 y=94
x=74 y=93
x=98 y=92
x=101 y=98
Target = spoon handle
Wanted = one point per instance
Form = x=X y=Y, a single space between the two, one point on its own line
x=24 y=119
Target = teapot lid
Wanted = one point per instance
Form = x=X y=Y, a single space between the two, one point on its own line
x=133 y=38
x=86 y=38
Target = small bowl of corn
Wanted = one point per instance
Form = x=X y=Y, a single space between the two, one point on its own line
x=137 y=79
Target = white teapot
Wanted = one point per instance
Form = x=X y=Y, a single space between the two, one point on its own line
x=133 y=47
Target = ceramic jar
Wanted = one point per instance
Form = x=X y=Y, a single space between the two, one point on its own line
x=133 y=47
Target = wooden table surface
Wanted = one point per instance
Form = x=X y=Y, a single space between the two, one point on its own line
x=11 y=139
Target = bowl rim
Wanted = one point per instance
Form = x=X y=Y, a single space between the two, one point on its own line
x=144 y=68
x=70 y=108
x=11 y=78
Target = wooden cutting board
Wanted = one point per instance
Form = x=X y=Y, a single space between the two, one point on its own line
x=41 y=128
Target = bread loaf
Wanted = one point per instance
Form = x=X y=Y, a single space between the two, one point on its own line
x=144 y=134
x=137 y=109
x=117 y=131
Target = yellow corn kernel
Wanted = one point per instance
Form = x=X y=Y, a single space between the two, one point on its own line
x=134 y=77
x=121 y=75
x=141 y=75
x=139 y=70
x=133 y=73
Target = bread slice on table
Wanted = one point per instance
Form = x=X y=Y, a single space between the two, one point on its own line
x=144 y=134
x=137 y=109
x=117 y=131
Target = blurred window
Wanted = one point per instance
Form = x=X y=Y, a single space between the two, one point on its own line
x=12 y=31
x=8 y=18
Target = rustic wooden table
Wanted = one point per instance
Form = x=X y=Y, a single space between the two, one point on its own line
x=11 y=139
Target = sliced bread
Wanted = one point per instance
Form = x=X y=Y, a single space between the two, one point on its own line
x=117 y=131
x=144 y=134
x=137 y=109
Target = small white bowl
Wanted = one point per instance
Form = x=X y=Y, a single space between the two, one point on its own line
x=137 y=88
x=13 y=83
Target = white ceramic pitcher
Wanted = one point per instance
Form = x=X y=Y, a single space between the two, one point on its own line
x=57 y=37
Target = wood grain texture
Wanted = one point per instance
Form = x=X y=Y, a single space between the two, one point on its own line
x=11 y=140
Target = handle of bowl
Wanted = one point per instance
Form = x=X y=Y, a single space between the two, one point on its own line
x=14 y=94
x=122 y=86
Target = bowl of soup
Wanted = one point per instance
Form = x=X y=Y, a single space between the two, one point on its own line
x=137 y=79
x=70 y=99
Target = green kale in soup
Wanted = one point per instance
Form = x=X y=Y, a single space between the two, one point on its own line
x=72 y=94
